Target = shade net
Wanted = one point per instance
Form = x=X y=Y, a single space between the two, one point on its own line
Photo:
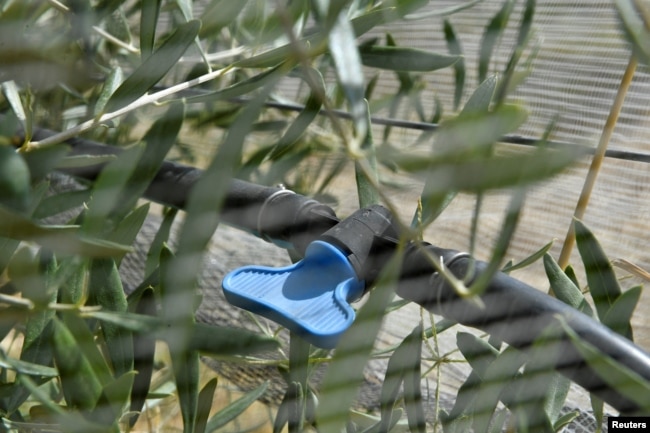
x=570 y=73
x=578 y=57
x=581 y=56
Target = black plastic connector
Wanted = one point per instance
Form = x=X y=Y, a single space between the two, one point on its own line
x=368 y=237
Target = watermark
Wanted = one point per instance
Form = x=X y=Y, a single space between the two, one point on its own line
x=628 y=424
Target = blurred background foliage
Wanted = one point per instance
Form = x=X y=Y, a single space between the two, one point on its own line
x=272 y=92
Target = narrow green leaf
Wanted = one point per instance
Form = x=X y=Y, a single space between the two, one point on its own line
x=388 y=397
x=205 y=405
x=341 y=43
x=522 y=41
x=154 y=67
x=483 y=174
x=144 y=349
x=101 y=216
x=244 y=87
x=158 y=140
x=78 y=161
x=478 y=352
x=37 y=343
x=482 y=97
x=477 y=105
x=12 y=95
x=62 y=239
x=492 y=34
x=219 y=14
x=178 y=276
x=571 y=273
x=207 y=339
x=74 y=289
x=106 y=291
x=635 y=19
x=619 y=315
x=362 y=24
x=564 y=288
x=313 y=45
x=476 y=132
x=405 y=59
x=61 y=202
x=345 y=372
x=87 y=346
x=234 y=409
x=598 y=409
x=149 y=12
x=539 y=393
x=7 y=249
x=403 y=364
x=81 y=387
x=314 y=79
x=128 y=228
x=496 y=378
x=25 y=367
x=14 y=179
x=440 y=326
x=186 y=374
x=28 y=276
x=412 y=381
x=456 y=49
x=366 y=187
x=211 y=340
x=603 y=284
x=529 y=260
x=625 y=381
x=565 y=420
x=508 y=227
x=559 y=387
x=162 y=236
x=202 y=218
x=113 y=81
x=185 y=7
x=113 y=399
x=370 y=87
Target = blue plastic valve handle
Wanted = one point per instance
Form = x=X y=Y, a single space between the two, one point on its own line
x=311 y=298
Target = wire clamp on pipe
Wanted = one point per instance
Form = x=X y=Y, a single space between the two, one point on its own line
x=262 y=213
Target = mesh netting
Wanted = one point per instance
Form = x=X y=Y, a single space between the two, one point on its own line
x=581 y=57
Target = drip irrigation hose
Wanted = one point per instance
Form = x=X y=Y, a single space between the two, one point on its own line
x=512 y=311
x=519 y=314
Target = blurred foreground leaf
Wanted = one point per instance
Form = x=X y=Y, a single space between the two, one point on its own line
x=61 y=239
x=405 y=59
x=625 y=381
x=603 y=284
x=154 y=68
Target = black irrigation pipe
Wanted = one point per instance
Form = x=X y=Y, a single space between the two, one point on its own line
x=515 y=139
x=431 y=127
x=512 y=311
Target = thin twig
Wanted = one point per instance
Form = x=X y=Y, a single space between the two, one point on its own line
x=58 y=6
x=109 y=37
x=141 y=102
x=597 y=160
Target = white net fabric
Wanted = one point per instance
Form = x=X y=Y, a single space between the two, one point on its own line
x=581 y=57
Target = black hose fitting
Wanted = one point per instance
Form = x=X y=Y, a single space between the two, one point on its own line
x=519 y=315
x=368 y=237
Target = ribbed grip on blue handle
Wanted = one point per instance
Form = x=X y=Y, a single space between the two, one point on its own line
x=311 y=298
